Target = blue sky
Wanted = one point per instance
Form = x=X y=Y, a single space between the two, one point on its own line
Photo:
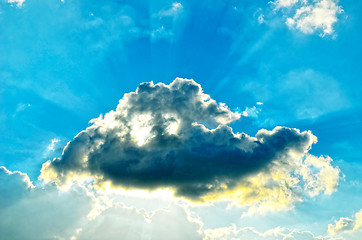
x=289 y=63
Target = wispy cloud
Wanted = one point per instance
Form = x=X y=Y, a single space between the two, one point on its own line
x=18 y=3
x=284 y=3
x=173 y=11
x=53 y=144
x=165 y=21
x=252 y=111
x=21 y=107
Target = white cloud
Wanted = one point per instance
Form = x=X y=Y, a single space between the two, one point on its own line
x=251 y=112
x=80 y=213
x=18 y=3
x=342 y=225
x=166 y=22
x=311 y=16
x=347 y=225
x=173 y=11
x=30 y=212
x=45 y=212
x=284 y=3
x=261 y=18
x=258 y=13
x=278 y=233
x=53 y=144
x=131 y=223
x=161 y=33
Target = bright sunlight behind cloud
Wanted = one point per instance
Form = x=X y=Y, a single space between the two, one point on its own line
x=176 y=137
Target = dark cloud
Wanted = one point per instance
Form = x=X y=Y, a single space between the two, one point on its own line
x=157 y=138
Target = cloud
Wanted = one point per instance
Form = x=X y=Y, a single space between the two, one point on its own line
x=161 y=33
x=251 y=112
x=284 y=3
x=128 y=24
x=17 y=180
x=229 y=233
x=176 y=137
x=45 y=212
x=285 y=183
x=53 y=144
x=173 y=11
x=18 y=3
x=132 y=223
x=310 y=17
x=346 y=225
x=21 y=107
x=166 y=22
x=77 y=213
x=30 y=212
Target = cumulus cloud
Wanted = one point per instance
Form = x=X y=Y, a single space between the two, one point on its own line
x=346 y=225
x=14 y=180
x=45 y=212
x=132 y=223
x=30 y=212
x=176 y=137
x=311 y=16
x=229 y=233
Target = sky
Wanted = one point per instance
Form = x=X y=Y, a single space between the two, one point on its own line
x=187 y=119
